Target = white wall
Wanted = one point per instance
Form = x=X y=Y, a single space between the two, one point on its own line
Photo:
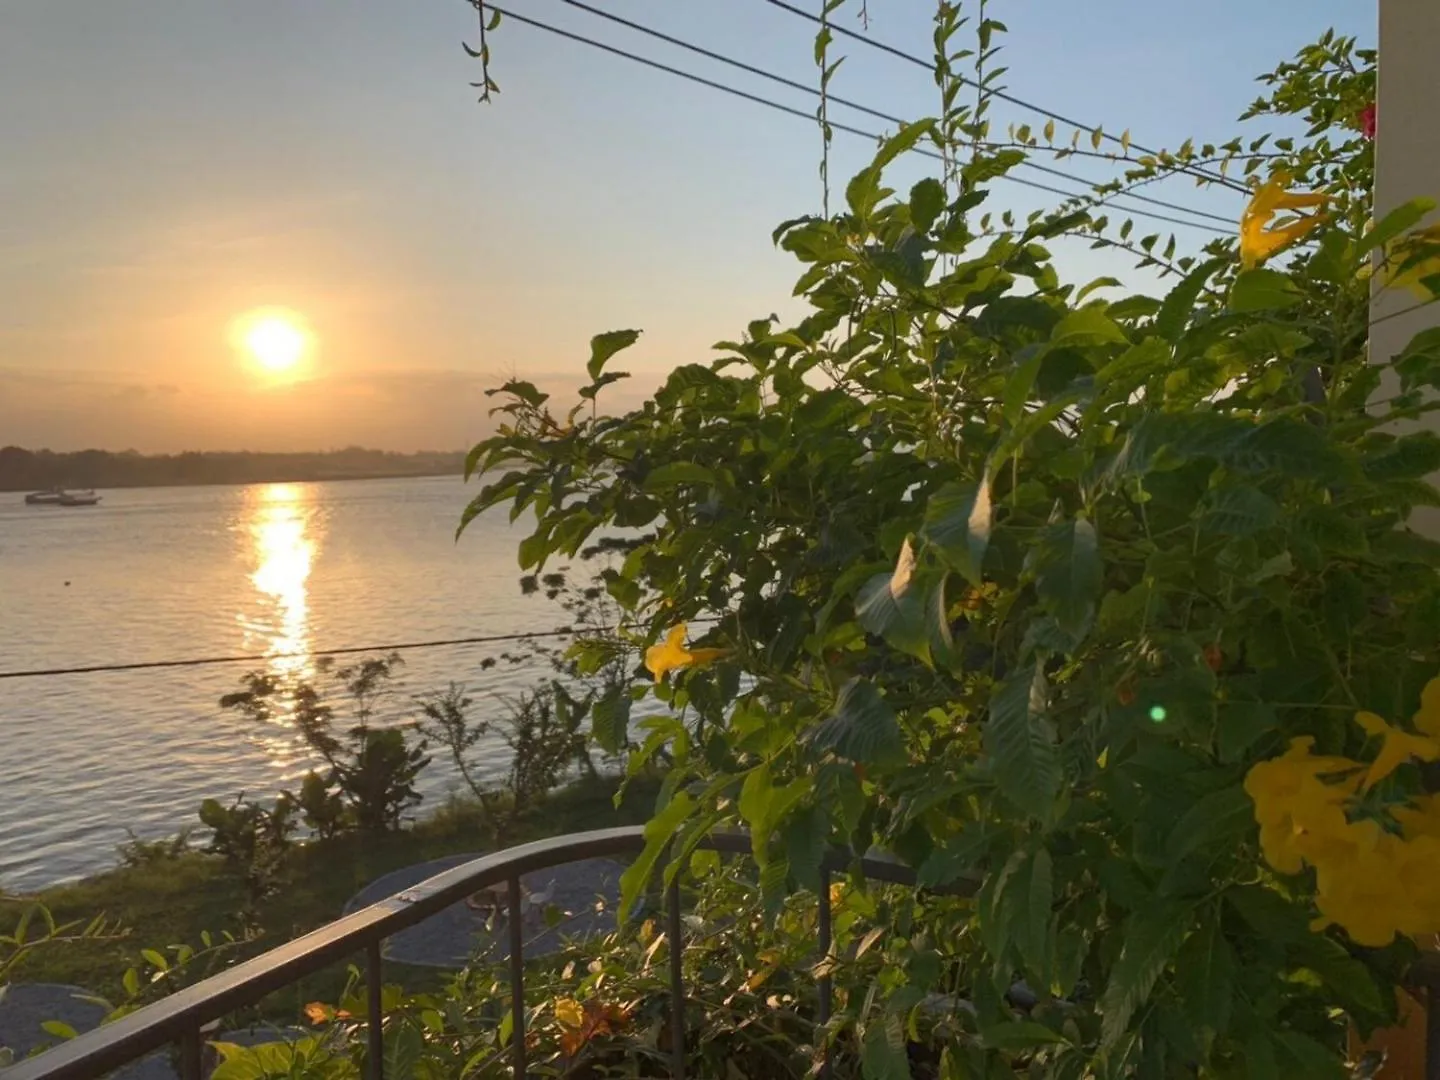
x=1407 y=166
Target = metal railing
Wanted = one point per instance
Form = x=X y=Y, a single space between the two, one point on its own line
x=183 y=1017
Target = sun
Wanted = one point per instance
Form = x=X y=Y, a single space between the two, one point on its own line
x=275 y=340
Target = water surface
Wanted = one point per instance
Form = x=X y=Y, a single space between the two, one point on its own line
x=164 y=573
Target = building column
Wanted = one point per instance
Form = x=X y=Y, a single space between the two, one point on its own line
x=1407 y=166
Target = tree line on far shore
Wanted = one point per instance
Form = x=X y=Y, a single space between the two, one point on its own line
x=27 y=470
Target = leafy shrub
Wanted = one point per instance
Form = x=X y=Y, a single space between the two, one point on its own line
x=1018 y=580
x=137 y=852
x=35 y=929
x=321 y=808
x=245 y=831
x=372 y=769
x=253 y=839
x=542 y=728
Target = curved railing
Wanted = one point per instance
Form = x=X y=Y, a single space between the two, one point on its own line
x=182 y=1017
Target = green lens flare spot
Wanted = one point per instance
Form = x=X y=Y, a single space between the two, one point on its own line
x=1157 y=713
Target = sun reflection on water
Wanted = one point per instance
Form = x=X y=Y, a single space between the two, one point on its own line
x=284 y=532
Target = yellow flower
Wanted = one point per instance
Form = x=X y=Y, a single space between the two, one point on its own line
x=1383 y=886
x=1257 y=243
x=1360 y=894
x=1420 y=818
x=671 y=654
x=1372 y=881
x=1397 y=748
x=1299 y=813
x=569 y=1012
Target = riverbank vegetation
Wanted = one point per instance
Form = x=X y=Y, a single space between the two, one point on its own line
x=165 y=895
x=38 y=470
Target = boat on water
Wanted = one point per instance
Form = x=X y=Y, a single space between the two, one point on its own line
x=79 y=498
x=50 y=497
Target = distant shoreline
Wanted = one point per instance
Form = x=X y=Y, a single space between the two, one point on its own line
x=277 y=479
x=24 y=470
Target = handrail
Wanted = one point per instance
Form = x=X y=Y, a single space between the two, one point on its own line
x=181 y=1017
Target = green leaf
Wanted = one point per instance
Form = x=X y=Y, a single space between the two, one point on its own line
x=1022 y=381
x=1400 y=220
x=1312 y=1060
x=1068 y=575
x=1013 y=1035
x=155 y=959
x=59 y=1029
x=1334 y=531
x=1408 y=456
x=863 y=192
x=958 y=521
x=927 y=199
x=994 y=909
x=764 y=806
x=659 y=831
x=1032 y=927
x=1222 y=815
x=1262 y=289
x=525 y=391
x=1121 y=613
x=1239 y=511
x=1152 y=937
x=610 y=720
x=894 y=606
x=863 y=727
x=1404 y=546
x=954 y=858
x=533 y=549
x=1348 y=979
x=1260 y=1061
x=1179 y=306
x=1270 y=915
x=404 y=1045
x=884 y=1055
x=604 y=346
x=1205 y=976
x=1021 y=743
x=674 y=473
x=1088 y=326
x=806 y=834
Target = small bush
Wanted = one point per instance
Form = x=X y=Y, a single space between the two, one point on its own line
x=371 y=771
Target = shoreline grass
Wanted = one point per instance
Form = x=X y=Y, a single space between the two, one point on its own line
x=172 y=900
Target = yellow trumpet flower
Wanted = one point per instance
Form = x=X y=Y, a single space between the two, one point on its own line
x=671 y=654
x=1397 y=748
x=1258 y=243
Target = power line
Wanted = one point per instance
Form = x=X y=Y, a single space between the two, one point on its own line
x=848 y=129
x=857 y=106
x=349 y=650
x=1060 y=118
x=261 y=658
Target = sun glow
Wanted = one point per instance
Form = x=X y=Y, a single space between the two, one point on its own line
x=276 y=341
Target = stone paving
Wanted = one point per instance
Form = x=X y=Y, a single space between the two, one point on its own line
x=453 y=937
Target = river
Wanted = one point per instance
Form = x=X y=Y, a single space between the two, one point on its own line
x=273 y=570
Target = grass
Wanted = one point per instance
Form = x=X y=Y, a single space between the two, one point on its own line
x=173 y=901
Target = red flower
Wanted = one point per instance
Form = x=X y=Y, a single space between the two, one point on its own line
x=1367 y=121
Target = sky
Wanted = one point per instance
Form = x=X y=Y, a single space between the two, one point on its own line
x=168 y=166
